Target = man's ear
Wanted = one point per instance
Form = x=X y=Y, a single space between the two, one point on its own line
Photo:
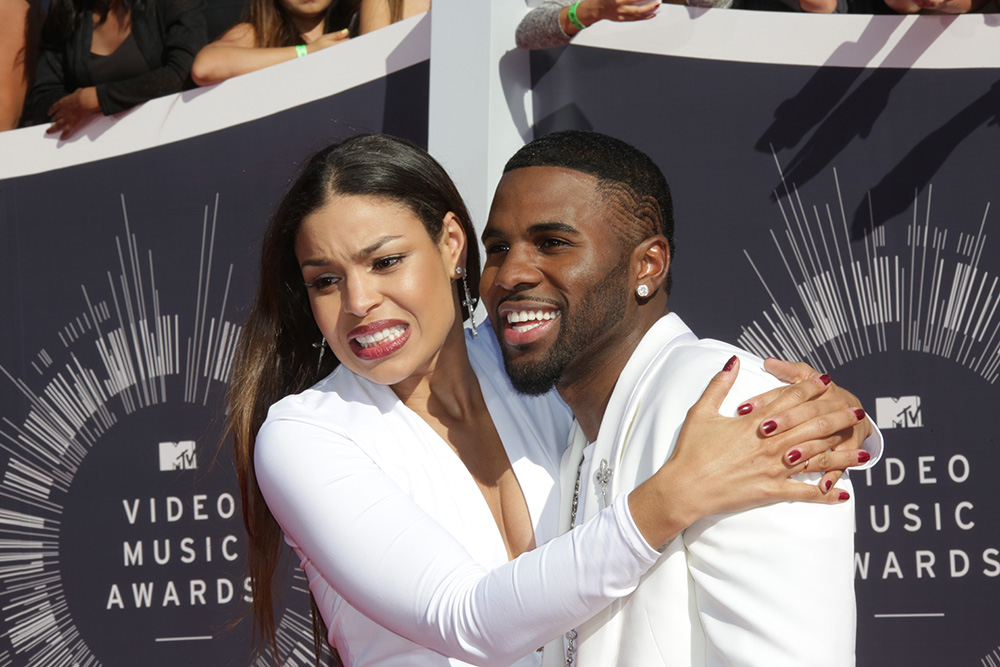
x=453 y=240
x=651 y=263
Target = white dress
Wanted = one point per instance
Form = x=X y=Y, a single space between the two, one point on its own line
x=401 y=551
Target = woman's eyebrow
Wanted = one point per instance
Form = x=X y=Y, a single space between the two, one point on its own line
x=359 y=255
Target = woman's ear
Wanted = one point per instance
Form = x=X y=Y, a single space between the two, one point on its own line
x=454 y=240
x=651 y=263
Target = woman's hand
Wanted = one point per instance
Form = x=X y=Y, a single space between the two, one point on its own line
x=793 y=372
x=67 y=113
x=590 y=12
x=726 y=464
x=327 y=40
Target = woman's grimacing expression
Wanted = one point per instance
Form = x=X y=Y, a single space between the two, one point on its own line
x=380 y=287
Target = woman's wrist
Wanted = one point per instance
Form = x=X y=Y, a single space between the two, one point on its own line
x=88 y=99
x=661 y=507
x=583 y=14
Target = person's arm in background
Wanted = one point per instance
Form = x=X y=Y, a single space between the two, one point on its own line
x=549 y=25
x=19 y=29
x=375 y=14
x=236 y=52
x=184 y=35
x=184 y=24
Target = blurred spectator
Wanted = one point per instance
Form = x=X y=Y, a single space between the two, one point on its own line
x=813 y=6
x=275 y=31
x=942 y=6
x=20 y=21
x=554 y=22
x=221 y=15
x=377 y=14
x=105 y=56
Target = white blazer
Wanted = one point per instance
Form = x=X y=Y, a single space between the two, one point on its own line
x=767 y=587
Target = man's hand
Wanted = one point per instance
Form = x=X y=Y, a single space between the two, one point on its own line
x=69 y=112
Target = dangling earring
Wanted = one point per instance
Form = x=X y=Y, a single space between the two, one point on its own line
x=322 y=346
x=469 y=304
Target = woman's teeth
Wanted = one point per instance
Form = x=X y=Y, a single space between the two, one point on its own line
x=386 y=335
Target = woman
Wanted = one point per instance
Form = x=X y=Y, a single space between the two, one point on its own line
x=375 y=460
x=375 y=14
x=275 y=31
x=105 y=56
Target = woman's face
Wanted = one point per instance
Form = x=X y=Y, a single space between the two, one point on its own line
x=306 y=9
x=380 y=287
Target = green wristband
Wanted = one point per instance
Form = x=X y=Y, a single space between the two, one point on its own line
x=574 y=19
x=301 y=51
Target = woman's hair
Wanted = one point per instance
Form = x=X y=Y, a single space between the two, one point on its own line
x=396 y=10
x=273 y=25
x=65 y=16
x=276 y=355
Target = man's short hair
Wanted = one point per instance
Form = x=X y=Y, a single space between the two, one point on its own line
x=627 y=178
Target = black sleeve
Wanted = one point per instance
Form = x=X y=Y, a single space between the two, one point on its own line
x=50 y=83
x=182 y=24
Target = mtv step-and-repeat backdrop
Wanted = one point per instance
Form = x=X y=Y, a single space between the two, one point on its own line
x=836 y=202
x=126 y=282
x=833 y=180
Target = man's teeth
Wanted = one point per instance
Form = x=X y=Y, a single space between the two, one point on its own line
x=529 y=318
x=386 y=335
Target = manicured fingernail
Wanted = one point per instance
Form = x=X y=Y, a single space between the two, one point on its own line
x=859 y=413
x=825 y=379
x=827 y=484
x=729 y=364
x=794 y=456
x=744 y=409
x=844 y=495
x=863 y=456
x=768 y=427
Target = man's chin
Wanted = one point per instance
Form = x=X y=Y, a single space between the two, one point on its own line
x=532 y=379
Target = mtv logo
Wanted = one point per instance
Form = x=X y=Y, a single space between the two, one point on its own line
x=902 y=412
x=178 y=456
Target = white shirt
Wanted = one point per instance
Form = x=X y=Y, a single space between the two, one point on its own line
x=398 y=544
x=729 y=590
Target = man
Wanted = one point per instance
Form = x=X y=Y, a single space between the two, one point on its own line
x=576 y=280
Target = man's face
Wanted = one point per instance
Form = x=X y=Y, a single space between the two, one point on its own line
x=555 y=282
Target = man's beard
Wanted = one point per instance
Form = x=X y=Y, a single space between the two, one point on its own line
x=600 y=310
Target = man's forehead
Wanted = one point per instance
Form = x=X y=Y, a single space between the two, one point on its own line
x=526 y=194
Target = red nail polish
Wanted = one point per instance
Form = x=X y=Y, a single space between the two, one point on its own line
x=729 y=364
x=827 y=484
x=825 y=378
x=768 y=427
x=859 y=413
x=794 y=456
x=844 y=495
x=863 y=456
x=744 y=409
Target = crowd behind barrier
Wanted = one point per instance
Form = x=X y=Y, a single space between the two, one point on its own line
x=107 y=56
x=135 y=50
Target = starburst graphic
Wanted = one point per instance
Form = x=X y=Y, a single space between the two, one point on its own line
x=125 y=352
x=935 y=299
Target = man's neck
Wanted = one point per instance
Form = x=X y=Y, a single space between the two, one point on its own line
x=587 y=385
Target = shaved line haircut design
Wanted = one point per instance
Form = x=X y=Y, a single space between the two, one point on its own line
x=628 y=181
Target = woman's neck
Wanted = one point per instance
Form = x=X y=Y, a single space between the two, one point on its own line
x=448 y=386
x=311 y=29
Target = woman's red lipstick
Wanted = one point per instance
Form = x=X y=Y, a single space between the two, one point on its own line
x=378 y=339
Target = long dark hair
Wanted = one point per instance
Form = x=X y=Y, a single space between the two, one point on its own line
x=273 y=25
x=65 y=16
x=276 y=356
